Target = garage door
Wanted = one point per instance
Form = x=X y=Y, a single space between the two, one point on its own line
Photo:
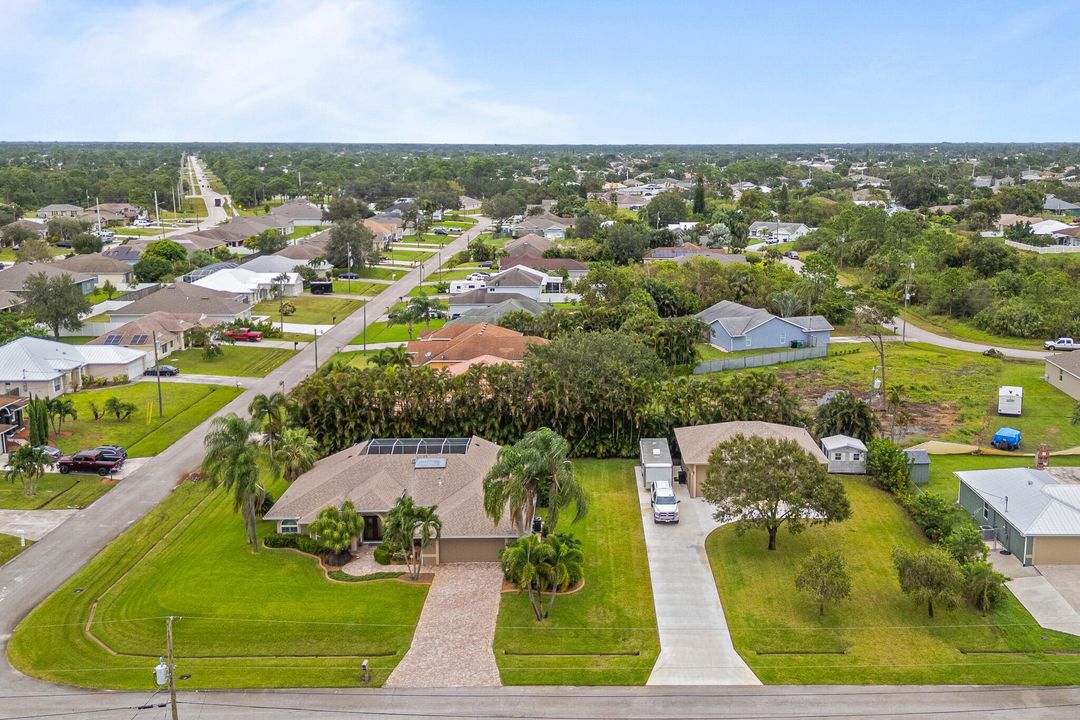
x=456 y=550
x=1056 y=551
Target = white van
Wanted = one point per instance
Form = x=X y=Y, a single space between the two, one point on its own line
x=665 y=506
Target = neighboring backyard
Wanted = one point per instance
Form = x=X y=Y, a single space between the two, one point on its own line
x=242 y=359
x=269 y=619
x=381 y=332
x=604 y=634
x=878 y=635
x=310 y=310
x=186 y=405
x=54 y=492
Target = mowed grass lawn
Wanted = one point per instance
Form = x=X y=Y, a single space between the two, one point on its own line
x=310 y=309
x=382 y=332
x=269 y=619
x=394 y=255
x=242 y=359
x=358 y=287
x=379 y=273
x=54 y=492
x=604 y=634
x=877 y=635
x=9 y=547
x=186 y=405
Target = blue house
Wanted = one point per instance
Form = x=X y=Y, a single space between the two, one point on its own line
x=737 y=327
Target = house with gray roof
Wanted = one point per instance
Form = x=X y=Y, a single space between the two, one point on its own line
x=778 y=231
x=494 y=313
x=46 y=368
x=737 y=327
x=1060 y=207
x=182 y=297
x=1034 y=514
x=59 y=210
x=482 y=298
x=13 y=278
x=103 y=268
x=446 y=472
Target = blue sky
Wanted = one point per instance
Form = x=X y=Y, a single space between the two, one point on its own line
x=554 y=71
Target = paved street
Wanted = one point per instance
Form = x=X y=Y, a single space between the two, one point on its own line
x=918 y=334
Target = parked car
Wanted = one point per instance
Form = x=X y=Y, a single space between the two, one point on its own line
x=348 y=276
x=441 y=231
x=486 y=263
x=114 y=449
x=665 y=506
x=163 y=370
x=53 y=453
x=771 y=241
x=478 y=276
x=1062 y=343
x=791 y=255
x=101 y=462
x=244 y=334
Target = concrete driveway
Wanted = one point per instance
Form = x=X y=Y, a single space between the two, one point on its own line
x=695 y=645
x=32 y=524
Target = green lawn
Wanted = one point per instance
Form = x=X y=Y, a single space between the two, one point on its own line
x=429 y=290
x=7 y=255
x=140 y=231
x=358 y=287
x=406 y=255
x=358 y=359
x=379 y=273
x=496 y=242
x=54 y=492
x=950 y=327
x=878 y=635
x=242 y=359
x=77 y=339
x=1046 y=409
x=259 y=209
x=301 y=231
x=604 y=634
x=456 y=274
x=185 y=407
x=9 y=547
x=311 y=309
x=430 y=239
x=248 y=620
x=381 y=332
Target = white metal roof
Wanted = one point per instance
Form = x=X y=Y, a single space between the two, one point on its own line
x=1011 y=391
x=33 y=358
x=1037 y=503
x=838 y=442
x=241 y=281
x=655 y=452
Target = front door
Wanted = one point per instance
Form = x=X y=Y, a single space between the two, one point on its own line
x=372 y=528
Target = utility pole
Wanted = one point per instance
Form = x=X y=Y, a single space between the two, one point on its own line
x=316 y=351
x=157 y=373
x=172 y=666
x=907 y=296
x=365 y=328
x=157 y=214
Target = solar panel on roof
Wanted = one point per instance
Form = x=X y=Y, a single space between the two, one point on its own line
x=113 y=339
x=138 y=340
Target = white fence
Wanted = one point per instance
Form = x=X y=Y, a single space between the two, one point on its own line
x=762 y=360
x=1049 y=249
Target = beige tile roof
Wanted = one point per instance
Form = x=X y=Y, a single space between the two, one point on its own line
x=93 y=263
x=374 y=483
x=696 y=442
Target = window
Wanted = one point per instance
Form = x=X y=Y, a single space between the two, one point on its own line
x=783 y=338
x=986 y=511
x=856 y=456
x=748 y=342
x=838 y=456
x=289 y=527
x=56 y=384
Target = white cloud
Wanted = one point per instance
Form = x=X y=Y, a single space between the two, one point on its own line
x=264 y=70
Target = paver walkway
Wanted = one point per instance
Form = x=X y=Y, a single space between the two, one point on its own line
x=452 y=643
x=695 y=645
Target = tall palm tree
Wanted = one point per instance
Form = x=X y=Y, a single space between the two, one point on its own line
x=407 y=316
x=27 y=465
x=412 y=527
x=59 y=409
x=424 y=306
x=296 y=453
x=527 y=563
x=567 y=564
x=538 y=463
x=390 y=357
x=232 y=461
x=269 y=413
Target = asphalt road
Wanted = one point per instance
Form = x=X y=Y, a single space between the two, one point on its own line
x=32 y=576
x=216 y=214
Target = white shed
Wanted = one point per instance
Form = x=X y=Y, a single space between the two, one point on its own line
x=655 y=461
x=1010 y=399
x=846 y=454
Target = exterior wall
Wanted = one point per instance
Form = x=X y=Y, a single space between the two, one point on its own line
x=1004 y=531
x=774 y=333
x=1055 y=550
x=718 y=336
x=1063 y=381
x=529 y=292
x=119 y=280
x=652 y=474
x=455 y=550
x=821 y=337
x=132 y=370
x=40 y=388
x=919 y=474
x=843 y=461
x=695 y=475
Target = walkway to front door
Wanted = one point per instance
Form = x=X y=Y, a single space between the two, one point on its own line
x=695 y=645
x=452 y=643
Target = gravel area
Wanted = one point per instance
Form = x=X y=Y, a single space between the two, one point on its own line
x=452 y=643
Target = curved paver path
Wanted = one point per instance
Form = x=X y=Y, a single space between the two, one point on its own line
x=452 y=643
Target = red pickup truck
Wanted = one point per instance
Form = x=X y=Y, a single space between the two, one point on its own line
x=244 y=334
x=101 y=462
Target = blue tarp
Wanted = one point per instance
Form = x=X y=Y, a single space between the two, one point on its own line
x=1009 y=435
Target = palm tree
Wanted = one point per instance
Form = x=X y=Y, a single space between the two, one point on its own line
x=232 y=461
x=845 y=414
x=337 y=529
x=269 y=413
x=406 y=315
x=567 y=564
x=424 y=307
x=27 y=465
x=527 y=563
x=407 y=523
x=538 y=463
x=296 y=453
x=59 y=409
x=390 y=357
x=786 y=303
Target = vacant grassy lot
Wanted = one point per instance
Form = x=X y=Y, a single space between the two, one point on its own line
x=394 y=255
x=358 y=287
x=432 y=289
x=604 y=634
x=54 y=492
x=269 y=619
x=185 y=407
x=380 y=273
x=302 y=231
x=381 y=332
x=9 y=547
x=1046 y=410
x=311 y=309
x=456 y=274
x=878 y=635
x=242 y=359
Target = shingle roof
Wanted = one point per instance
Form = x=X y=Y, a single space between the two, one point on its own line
x=481 y=296
x=185 y=298
x=13 y=278
x=375 y=482
x=517 y=277
x=1069 y=362
x=697 y=442
x=1056 y=203
x=93 y=263
x=737 y=319
x=1038 y=504
x=459 y=342
x=299 y=209
x=526 y=243
x=167 y=326
x=549 y=265
x=495 y=313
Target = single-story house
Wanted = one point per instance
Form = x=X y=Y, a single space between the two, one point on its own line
x=279 y=264
x=456 y=343
x=1062 y=370
x=299 y=212
x=546 y=224
x=171 y=329
x=126 y=253
x=494 y=313
x=530 y=243
x=446 y=472
x=550 y=266
x=305 y=251
x=696 y=443
x=1031 y=512
x=11 y=418
x=918 y=463
x=40 y=229
x=192 y=242
x=13 y=278
x=252 y=287
x=181 y=297
x=104 y=269
x=682 y=253
x=46 y=368
x=779 y=231
x=846 y=454
x=737 y=327
x=1059 y=206
x=481 y=299
x=523 y=281
x=59 y=210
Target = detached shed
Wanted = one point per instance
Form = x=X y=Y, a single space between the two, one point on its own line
x=846 y=454
x=655 y=461
x=918 y=462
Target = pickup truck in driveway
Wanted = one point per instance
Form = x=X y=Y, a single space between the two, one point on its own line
x=1062 y=343
x=101 y=462
x=244 y=334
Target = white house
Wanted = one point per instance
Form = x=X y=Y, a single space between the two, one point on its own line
x=252 y=286
x=846 y=454
x=46 y=368
x=524 y=280
x=779 y=231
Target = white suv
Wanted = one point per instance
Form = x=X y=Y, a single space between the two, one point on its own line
x=665 y=506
